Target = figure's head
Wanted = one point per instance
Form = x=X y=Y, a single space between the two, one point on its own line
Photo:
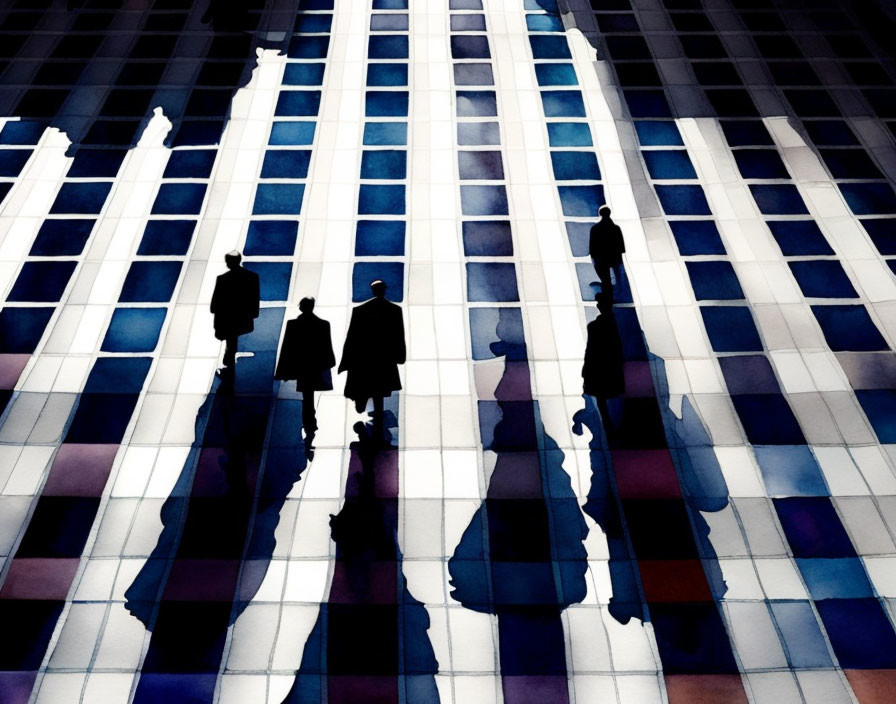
x=306 y=305
x=604 y=302
x=232 y=259
x=378 y=288
x=604 y=211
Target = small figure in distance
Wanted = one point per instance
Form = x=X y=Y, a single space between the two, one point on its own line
x=374 y=347
x=606 y=247
x=234 y=305
x=307 y=356
x=603 y=372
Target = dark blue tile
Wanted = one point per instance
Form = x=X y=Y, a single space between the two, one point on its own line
x=21 y=132
x=842 y=578
x=850 y=163
x=312 y=24
x=59 y=527
x=822 y=279
x=101 y=418
x=575 y=166
x=308 y=47
x=491 y=281
x=33 y=621
x=190 y=163
x=806 y=646
x=683 y=200
x=849 y=328
x=714 y=281
x=767 y=419
x=199 y=132
x=880 y=407
x=187 y=640
x=830 y=132
x=541 y=5
x=480 y=165
x=470 y=47
x=42 y=281
x=483 y=200
x=696 y=237
x=386 y=103
x=569 y=134
x=179 y=199
x=692 y=639
x=286 y=163
x=381 y=200
x=476 y=103
x=387 y=74
x=61 y=237
x=473 y=74
x=581 y=201
x=549 y=47
x=746 y=133
x=304 y=74
x=778 y=199
x=799 y=237
x=790 y=470
x=22 y=328
x=673 y=163
x=384 y=164
x=388 y=46
x=749 y=374
x=487 y=238
x=301 y=103
x=647 y=103
x=556 y=75
x=378 y=238
x=731 y=328
x=278 y=199
x=150 y=282
x=291 y=133
x=273 y=278
x=271 y=238
x=385 y=133
x=562 y=103
x=81 y=198
x=163 y=237
x=544 y=23
x=813 y=528
x=390 y=272
x=5 y=188
x=760 y=163
x=12 y=161
x=117 y=375
x=134 y=330
x=883 y=233
x=861 y=635
x=530 y=640
x=658 y=133
x=869 y=198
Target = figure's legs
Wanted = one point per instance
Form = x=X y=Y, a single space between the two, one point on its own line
x=603 y=273
x=309 y=418
x=604 y=411
x=230 y=345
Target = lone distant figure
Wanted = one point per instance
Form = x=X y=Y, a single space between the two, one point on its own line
x=307 y=356
x=603 y=371
x=374 y=347
x=234 y=304
x=606 y=247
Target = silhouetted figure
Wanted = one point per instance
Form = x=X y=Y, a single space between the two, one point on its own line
x=374 y=347
x=307 y=356
x=227 y=15
x=234 y=305
x=606 y=247
x=602 y=371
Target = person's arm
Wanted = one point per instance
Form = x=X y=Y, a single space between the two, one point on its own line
x=348 y=347
x=256 y=295
x=213 y=307
x=330 y=360
x=400 y=350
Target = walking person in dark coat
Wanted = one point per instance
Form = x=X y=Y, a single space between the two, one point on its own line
x=602 y=372
x=606 y=247
x=234 y=305
x=307 y=356
x=374 y=347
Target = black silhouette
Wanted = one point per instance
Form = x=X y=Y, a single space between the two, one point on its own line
x=606 y=247
x=374 y=347
x=234 y=305
x=307 y=356
x=603 y=372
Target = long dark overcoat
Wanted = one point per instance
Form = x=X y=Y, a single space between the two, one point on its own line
x=235 y=303
x=603 y=371
x=307 y=353
x=374 y=347
x=605 y=243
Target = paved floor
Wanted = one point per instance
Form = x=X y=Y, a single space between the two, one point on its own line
x=722 y=532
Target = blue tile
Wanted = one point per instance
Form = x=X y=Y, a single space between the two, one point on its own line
x=813 y=528
x=381 y=200
x=81 y=198
x=749 y=374
x=273 y=279
x=483 y=200
x=101 y=418
x=647 y=103
x=562 y=103
x=487 y=238
x=860 y=633
x=390 y=4
x=134 y=330
x=696 y=237
x=880 y=407
x=578 y=234
x=473 y=74
x=491 y=281
x=312 y=24
x=581 y=201
x=150 y=282
x=541 y=5
x=549 y=47
x=658 y=133
x=388 y=46
x=297 y=103
x=468 y=23
x=883 y=233
x=34 y=622
x=790 y=470
x=271 y=238
x=470 y=47
x=849 y=328
x=746 y=133
x=117 y=375
x=779 y=199
x=59 y=527
x=683 y=200
x=556 y=75
x=476 y=103
x=805 y=645
x=179 y=199
x=760 y=163
x=673 y=163
x=163 y=237
x=378 y=238
x=575 y=166
x=384 y=164
x=386 y=103
x=61 y=237
x=830 y=132
x=799 y=237
x=42 y=281
x=286 y=163
x=569 y=134
x=691 y=638
x=190 y=163
x=731 y=328
x=12 y=161
x=278 y=199
x=291 y=133
x=478 y=133
x=543 y=23
x=303 y=74
x=385 y=133
x=480 y=165
x=496 y=332
x=714 y=281
x=22 y=328
x=842 y=578
x=308 y=47
x=869 y=198
x=21 y=132
x=767 y=419
x=390 y=272
x=387 y=74
x=823 y=278
x=850 y=163
x=392 y=22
